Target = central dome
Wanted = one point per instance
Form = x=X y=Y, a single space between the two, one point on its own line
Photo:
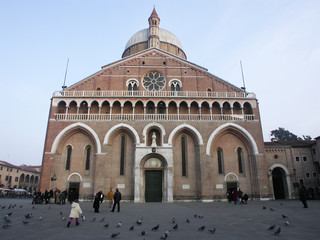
x=154 y=37
x=164 y=36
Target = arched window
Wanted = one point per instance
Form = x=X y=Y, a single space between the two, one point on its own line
x=132 y=85
x=69 y=149
x=122 y=154
x=184 y=156
x=240 y=159
x=175 y=85
x=88 y=151
x=220 y=160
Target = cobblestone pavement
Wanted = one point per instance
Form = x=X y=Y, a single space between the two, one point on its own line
x=231 y=221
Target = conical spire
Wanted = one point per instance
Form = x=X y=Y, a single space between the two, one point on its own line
x=154 y=13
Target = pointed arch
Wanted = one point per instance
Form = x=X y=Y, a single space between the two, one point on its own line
x=191 y=128
x=239 y=128
x=71 y=127
x=121 y=125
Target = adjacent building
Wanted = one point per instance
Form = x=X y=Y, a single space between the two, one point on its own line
x=24 y=176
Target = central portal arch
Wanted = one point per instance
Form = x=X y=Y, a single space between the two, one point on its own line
x=153 y=179
x=153 y=172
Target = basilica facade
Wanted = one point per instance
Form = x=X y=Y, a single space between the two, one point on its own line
x=156 y=126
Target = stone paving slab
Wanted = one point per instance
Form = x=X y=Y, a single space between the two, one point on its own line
x=231 y=221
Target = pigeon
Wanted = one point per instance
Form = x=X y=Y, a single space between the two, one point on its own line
x=173 y=220
x=163 y=236
x=155 y=228
x=5 y=226
x=278 y=231
x=6 y=219
x=9 y=206
x=143 y=233
x=3 y=207
x=187 y=220
x=83 y=218
x=93 y=219
x=131 y=228
x=28 y=215
x=63 y=218
x=102 y=219
x=195 y=215
x=113 y=235
x=271 y=209
x=139 y=221
x=212 y=230
x=287 y=223
x=61 y=213
x=21 y=206
x=167 y=232
x=106 y=225
x=201 y=228
x=284 y=216
x=264 y=207
x=119 y=224
x=40 y=218
x=200 y=216
x=272 y=227
x=9 y=214
x=175 y=227
x=25 y=222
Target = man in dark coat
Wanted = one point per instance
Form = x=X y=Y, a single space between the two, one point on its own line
x=116 y=199
x=303 y=195
x=96 y=202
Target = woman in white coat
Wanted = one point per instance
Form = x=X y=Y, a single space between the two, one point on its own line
x=75 y=212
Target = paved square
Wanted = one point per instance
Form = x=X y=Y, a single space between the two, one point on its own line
x=231 y=221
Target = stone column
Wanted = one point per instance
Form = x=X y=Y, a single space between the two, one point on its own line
x=137 y=184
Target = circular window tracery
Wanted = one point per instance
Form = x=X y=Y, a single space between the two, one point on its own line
x=153 y=81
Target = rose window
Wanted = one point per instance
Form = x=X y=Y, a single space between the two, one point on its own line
x=154 y=81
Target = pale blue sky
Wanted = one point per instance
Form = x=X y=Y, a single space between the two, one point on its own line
x=277 y=41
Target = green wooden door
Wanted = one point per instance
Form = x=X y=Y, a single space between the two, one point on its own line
x=153 y=186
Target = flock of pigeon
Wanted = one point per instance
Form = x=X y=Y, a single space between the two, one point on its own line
x=138 y=225
x=273 y=226
x=163 y=236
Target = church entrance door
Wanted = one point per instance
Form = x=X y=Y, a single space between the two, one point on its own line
x=73 y=191
x=278 y=178
x=153 y=186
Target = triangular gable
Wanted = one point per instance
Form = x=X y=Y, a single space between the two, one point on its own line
x=146 y=52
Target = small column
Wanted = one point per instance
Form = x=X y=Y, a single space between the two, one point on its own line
x=144 y=112
x=67 y=110
x=110 y=112
x=121 y=112
x=167 y=113
x=210 y=108
x=178 y=112
x=188 y=113
x=133 y=113
x=89 y=109
x=221 y=112
x=200 y=112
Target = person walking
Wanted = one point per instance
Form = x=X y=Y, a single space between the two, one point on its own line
x=116 y=199
x=303 y=195
x=75 y=212
x=110 y=197
x=96 y=202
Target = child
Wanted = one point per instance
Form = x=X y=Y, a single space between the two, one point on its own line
x=75 y=212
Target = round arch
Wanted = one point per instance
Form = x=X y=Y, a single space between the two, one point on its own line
x=286 y=191
x=73 y=126
x=121 y=125
x=193 y=129
x=72 y=174
x=232 y=125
